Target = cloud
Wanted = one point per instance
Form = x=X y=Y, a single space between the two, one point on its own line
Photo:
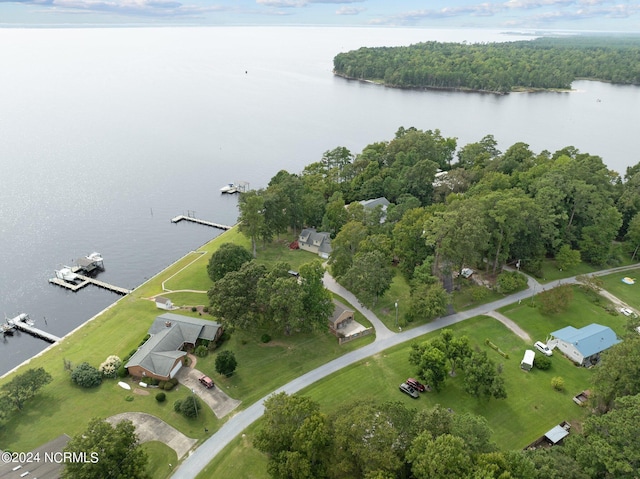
x=301 y=3
x=350 y=10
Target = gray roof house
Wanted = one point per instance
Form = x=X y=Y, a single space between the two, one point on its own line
x=382 y=202
x=162 y=354
x=583 y=346
x=315 y=242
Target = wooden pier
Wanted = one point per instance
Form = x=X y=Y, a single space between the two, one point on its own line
x=177 y=219
x=19 y=323
x=85 y=280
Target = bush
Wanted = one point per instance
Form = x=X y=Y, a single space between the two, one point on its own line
x=122 y=371
x=161 y=384
x=510 y=281
x=186 y=361
x=201 y=351
x=168 y=386
x=189 y=406
x=226 y=363
x=177 y=405
x=479 y=293
x=193 y=309
x=542 y=362
x=86 y=376
x=128 y=398
x=265 y=338
x=109 y=368
x=557 y=383
x=161 y=397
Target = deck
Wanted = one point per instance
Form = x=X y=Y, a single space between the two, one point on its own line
x=85 y=280
x=19 y=323
x=177 y=219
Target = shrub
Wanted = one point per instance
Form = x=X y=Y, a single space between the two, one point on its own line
x=193 y=309
x=201 y=351
x=557 y=383
x=86 y=376
x=478 y=293
x=496 y=348
x=542 y=362
x=168 y=386
x=122 y=371
x=161 y=397
x=265 y=338
x=173 y=381
x=186 y=361
x=161 y=384
x=128 y=398
x=109 y=368
x=205 y=309
x=510 y=281
x=177 y=405
x=189 y=406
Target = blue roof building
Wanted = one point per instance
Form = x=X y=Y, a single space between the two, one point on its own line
x=583 y=346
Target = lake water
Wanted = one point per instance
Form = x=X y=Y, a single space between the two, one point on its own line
x=106 y=134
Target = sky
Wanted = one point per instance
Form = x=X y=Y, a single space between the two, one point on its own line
x=584 y=15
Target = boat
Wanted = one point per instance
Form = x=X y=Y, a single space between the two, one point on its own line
x=229 y=188
x=66 y=274
x=96 y=258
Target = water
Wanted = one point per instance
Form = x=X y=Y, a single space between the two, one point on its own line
x=106 y=134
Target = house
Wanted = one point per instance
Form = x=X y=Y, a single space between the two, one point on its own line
x=164 y=303
x=527 y=361
x=162 y=355
x=371 y=205
x=583 y=346
x=341 y=317
x=315 y=242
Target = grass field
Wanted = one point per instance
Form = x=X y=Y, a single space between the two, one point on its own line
x=629 y=293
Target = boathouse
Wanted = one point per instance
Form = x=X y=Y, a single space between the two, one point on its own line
x=162 y=355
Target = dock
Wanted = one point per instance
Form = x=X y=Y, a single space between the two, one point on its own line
x=20 y=323
x=177 y=219
x=85 y=280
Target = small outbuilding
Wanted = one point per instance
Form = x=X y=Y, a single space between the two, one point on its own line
x=527 y=361
x=341 y=317
x=164 y=303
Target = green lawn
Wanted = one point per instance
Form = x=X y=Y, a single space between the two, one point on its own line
x=162 y=459
x=532 y=407
x=629 y=293
x=551 y=272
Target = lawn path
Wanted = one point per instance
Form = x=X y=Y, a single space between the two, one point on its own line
x=510 y=324
x=384 y=340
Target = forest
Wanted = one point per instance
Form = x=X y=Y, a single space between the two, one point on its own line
x=543 y=63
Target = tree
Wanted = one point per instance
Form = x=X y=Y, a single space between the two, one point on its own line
x=369 y=277
x=410 y=246
x=251 y=219
x=112 y=452
x=431 y=364
x=86 y=376
x=109 y=368
x=24 y=386
x=345 y=246
x=567 y=258
x=555 y=463
x=226 y=363
x=188 y=407
x=556 y=300
x=444 y=457
x=229 y=257
x=234 y=298
x=427 y=301
x=618 y=374
x=610 y=443
x=633 y=234
x=316 y=299
x=482 y=379
x=455 y=349
x=283 y=301
x=335 y=214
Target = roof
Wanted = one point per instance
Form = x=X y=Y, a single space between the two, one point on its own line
x=311 y=237
x=556 y=434
x=529 y=356
x=162 y=300
x=338 y=310
x=589 y=340
x=169 y=332
x=370 y=204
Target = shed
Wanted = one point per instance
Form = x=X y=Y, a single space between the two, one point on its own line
x=340 y=318
x=164 y=303
x=558 y=433
x=527 y=361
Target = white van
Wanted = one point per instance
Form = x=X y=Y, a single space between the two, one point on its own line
x=543 y=348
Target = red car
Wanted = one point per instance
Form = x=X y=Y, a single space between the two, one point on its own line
x=206 y=382
x=416 y=385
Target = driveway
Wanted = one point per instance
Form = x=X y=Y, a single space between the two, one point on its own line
x=151 y=428
x=216 y=399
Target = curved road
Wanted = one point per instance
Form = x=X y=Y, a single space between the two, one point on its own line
x=385 y=339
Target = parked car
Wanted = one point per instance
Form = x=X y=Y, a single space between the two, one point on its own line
x=626 y=311
x=206 y=382
x=416 y=385
x=405 y=388
x=543 y=348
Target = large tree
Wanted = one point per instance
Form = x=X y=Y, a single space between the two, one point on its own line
x=482 y=378
x=229 y=257
x=369 y=277
x=251 y=219
x=112 y=452
x=430 y=363
x=24 y=386
x=316 y=299
x=619 y=372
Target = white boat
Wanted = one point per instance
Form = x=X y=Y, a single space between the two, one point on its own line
x=66 y=274
x=96 y=258
x=229 y=188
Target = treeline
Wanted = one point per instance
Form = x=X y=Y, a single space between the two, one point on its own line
x=544 y=63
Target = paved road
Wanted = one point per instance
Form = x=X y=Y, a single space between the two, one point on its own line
x=238 y=423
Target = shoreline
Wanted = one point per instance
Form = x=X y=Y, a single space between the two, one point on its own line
x=104 y=310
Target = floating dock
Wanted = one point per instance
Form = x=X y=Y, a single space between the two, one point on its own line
x=177 y=219
x=20 y=323
x=85 y=280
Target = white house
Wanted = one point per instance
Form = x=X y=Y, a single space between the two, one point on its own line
x=583 y=346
